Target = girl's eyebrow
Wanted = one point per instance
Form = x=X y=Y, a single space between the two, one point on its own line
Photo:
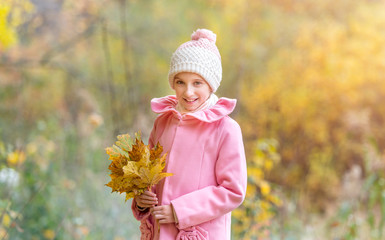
x=195 y=79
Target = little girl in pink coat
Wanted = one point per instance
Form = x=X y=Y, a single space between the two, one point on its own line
x=204 y=148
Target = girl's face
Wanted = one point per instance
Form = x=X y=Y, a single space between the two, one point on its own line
x=191 y=90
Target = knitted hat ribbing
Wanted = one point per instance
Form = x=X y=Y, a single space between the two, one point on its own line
x=200 y=56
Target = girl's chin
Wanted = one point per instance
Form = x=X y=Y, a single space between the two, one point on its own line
x=190 y=109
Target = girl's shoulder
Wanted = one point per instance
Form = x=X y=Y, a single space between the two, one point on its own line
x=228 y=125
x=164 y=104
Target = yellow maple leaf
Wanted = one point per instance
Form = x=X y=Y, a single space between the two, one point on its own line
x=134 y=166
x=130 y=169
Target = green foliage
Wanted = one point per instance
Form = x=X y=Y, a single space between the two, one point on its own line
x=361 y=216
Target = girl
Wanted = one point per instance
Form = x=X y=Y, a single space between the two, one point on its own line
x=205 y=151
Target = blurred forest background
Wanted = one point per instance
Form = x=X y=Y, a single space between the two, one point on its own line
x=308 y=76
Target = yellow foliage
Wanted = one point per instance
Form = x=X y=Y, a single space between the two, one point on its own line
x=49 y=234
x=6 y=222
x=265 y=188
x=251 y=191
x=258 y=207
x=274 y=200
x=325 y=69
x=255 y=173
x=11 y=16
x=237 y=213
x=7 y=34
x=16 y=157
x=135 y=167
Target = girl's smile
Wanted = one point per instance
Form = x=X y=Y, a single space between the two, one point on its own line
x=191 y=90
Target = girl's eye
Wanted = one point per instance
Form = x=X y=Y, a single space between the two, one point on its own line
x=198 y=83
x=179 y=82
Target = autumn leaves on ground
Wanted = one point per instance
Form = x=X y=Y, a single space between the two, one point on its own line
x=308 y=76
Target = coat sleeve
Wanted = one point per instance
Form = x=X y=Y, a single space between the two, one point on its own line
x=230 y=170
x=140 y=215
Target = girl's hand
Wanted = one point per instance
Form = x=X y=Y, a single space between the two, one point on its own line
x=165 y=214
x=146 y=200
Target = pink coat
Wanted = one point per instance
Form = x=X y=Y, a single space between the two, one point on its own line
x=206 y=155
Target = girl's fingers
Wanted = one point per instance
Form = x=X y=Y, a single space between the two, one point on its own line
x=163 y=218
x=158 y=209
x=151 y=204
x=149 y=201
x=163 y=214
x=159 y=217
x=146 y=201
x=156 y=212
x=148 y=193
x=148 y=198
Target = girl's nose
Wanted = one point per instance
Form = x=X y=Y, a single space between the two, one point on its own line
x=189 y=91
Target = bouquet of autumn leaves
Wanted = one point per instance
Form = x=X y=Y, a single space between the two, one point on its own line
x=135 y=167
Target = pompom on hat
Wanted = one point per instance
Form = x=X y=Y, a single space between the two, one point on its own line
x=200 y=56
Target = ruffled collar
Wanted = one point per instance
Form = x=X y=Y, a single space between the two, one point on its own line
x=222 y=108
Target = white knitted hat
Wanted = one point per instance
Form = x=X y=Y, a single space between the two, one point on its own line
x=200 y=56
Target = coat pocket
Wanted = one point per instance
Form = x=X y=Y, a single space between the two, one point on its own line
x=193 y=233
